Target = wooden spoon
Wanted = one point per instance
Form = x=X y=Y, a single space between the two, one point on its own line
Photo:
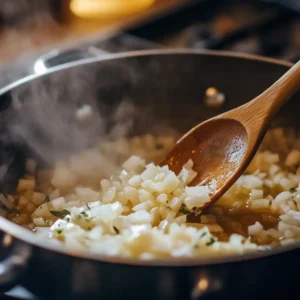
x=222 y=147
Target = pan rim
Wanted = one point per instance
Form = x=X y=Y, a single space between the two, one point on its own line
x=140 y=53
x=26 y=236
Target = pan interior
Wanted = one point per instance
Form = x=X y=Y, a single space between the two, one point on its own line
x=129 y=95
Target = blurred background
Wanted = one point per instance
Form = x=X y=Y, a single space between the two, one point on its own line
x=39 y=34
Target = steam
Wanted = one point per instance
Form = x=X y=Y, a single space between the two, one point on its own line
x=65 y=113
x=43 y=114
x=47 y=119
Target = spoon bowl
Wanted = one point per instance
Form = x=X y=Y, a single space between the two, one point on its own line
x=217 y=147
x=221 y=148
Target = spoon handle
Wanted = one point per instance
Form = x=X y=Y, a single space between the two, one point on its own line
x=279 y=93
x=262 y=108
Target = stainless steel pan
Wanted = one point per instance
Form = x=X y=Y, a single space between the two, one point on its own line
x=168 y=87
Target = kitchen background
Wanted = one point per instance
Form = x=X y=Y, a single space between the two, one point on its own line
x=36 y=35
x=73 y=29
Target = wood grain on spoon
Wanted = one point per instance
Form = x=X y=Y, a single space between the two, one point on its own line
x=222 y=147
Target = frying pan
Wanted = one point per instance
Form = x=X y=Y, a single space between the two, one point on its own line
x=166 y=88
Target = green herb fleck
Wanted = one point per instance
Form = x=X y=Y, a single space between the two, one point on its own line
x=293 y=190
x=47 y=199
x=183 y=209
x=295 y=202
x=87 y=205
x=59 y=231
x=196 y=246
x=117 y=231
x=203 y=234
x=212 y=240
x=84 y=214
x=159 y=146
x=60 y=214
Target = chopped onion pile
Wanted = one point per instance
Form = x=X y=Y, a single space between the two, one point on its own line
x=143 y=209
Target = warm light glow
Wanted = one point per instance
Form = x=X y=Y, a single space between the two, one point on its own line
x=107 y=8
x=203 y=284
x=7 y=240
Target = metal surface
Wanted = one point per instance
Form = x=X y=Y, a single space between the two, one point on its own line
x=291 y=5
x=153 y=80
x=261 y=29
x=118 y=43
x=250 y=26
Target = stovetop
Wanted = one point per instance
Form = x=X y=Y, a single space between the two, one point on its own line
x=269 y=28
x=263 y=27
